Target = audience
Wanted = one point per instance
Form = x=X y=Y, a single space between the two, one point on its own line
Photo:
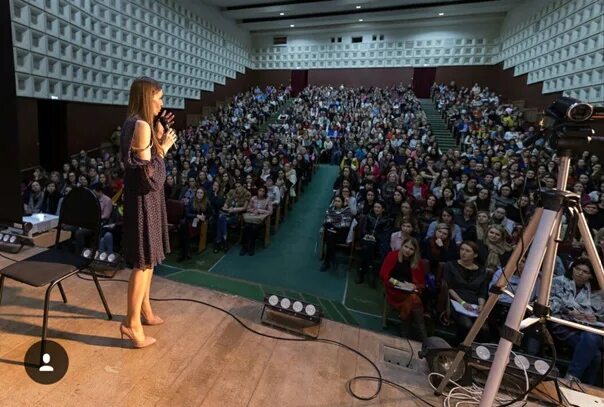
x=466 y=206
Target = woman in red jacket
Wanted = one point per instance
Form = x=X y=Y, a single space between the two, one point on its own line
x=404 y=279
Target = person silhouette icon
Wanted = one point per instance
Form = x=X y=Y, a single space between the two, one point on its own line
x=46 y=367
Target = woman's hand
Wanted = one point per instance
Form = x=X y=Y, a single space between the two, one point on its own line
x=439 y=242
x=468 y=306
x=166 y=117
x=169 y=140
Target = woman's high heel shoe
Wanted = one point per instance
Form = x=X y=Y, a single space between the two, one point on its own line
x=155 y=321
x=124 y=330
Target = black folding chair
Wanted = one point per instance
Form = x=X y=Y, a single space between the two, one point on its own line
x=79 y=209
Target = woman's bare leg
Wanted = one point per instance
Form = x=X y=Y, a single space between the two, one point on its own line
x=137 y=287
x=146 y=304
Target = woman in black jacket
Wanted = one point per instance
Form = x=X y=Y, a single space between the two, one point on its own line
x=375 y=242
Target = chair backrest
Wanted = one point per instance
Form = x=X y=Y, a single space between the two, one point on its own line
x=80 y=208
x=175 y=210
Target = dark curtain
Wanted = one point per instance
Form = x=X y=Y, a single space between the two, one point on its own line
x=11 y=207
x=423 y=78
x=52 y=136
x=299 y=80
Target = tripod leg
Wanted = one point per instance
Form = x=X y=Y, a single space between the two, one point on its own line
x=527 y=237
x=590 y=248
x=549 y=262
x=518 y=308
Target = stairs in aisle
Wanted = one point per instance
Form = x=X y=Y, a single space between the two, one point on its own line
x=439 y=128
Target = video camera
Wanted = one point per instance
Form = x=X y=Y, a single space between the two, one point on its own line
x=565 y=126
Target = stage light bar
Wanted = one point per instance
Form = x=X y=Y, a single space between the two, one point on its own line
x=112 y=259
x=483 y=355
x=292 y=315
x=11 y=242
x=300 y=308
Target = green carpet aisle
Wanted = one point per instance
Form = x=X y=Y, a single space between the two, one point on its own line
x=291 y=261
x=439 y=128
x=289 y=266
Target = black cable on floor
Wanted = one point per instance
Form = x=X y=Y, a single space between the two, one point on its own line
x=379 y=379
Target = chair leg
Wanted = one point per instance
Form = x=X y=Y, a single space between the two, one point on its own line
x=62 y=293
x=1 y=286
x=100 y=290
x=45 y=318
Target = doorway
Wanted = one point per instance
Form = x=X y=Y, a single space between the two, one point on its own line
x=423 y=78
x=299 y=80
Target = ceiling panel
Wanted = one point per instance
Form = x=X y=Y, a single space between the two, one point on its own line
x=278 y=15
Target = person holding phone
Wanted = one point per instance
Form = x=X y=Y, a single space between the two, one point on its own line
x=144 y=142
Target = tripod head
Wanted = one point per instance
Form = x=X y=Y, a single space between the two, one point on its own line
x=565 y=126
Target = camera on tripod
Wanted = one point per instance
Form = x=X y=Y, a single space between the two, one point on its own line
x=565 y=125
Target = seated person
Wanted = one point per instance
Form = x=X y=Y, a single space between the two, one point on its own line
x=235 y=204
x=467 y=283
x=111 y=230
x=439 y=248
x=405 y=266
x=397 y=238
x=336 y=225
x=197 y=211
x=577 y=296
x=446 y=216
x=258 y=209
x=494 y=251
x=273 y=192
x=478 y=231
x=33 y=199
x=82 y=236
x=375 y=239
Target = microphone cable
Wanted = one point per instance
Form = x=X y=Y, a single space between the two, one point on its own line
x=349 y=384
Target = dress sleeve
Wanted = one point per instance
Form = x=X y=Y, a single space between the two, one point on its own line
x=147 y=172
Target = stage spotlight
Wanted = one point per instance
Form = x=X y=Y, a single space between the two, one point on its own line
x=273 y=300
x=483 y=352
x=310 y=310
x=294 y=316
x=541 y=366
x=285 y=303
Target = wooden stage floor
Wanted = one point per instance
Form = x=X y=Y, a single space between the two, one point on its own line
x=202 y=358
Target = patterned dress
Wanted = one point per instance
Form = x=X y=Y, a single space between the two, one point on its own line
x=145 y=239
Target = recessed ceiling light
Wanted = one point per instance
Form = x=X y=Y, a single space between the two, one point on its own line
x=292 y=26
x=281 y=14
x=358 y=7
x=441 y=14
x=360 y=20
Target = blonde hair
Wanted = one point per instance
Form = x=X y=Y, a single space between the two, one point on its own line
x=414 y=261
x=142 y=91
